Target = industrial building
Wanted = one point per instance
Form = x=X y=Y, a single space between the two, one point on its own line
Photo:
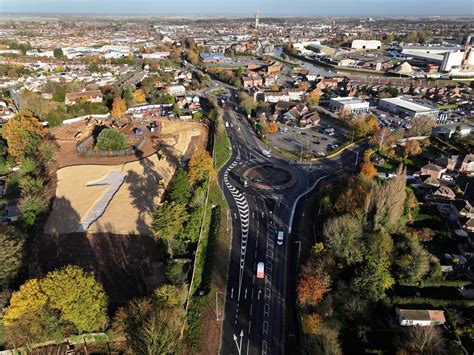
x=361 y=44
x=350 y=105
x=406 y=106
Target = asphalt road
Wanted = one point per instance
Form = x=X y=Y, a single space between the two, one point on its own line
x=256 y=309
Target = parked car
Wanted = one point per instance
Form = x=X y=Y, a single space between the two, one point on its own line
x=446 y=177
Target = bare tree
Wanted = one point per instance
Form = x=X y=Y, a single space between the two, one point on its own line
x=382 y=138
x=425 y=340
x=421 y=125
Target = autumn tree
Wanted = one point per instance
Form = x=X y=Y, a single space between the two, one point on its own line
x=167 y=296
x=35 y=103
x=421 y=126
x=324 y=342
x=21 y=131
x=74 y=295
x=139 y=96
x=200 y=166
x=412 y=148
x=313 y=284
x=311 y=323
x=272 y=128
x=118 y=108
x=11 y=257
x=246 y=102
x=312 y=98
x=368 y=170
x=147 y=328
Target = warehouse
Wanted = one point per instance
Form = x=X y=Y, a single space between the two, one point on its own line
x=406 y=106
x=367 y=45
x=352 y=105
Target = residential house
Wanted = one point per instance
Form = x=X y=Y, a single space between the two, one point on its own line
x=252 y=81
x=296 y=112
x=469 y=225
x=448 y=163
x=420 y=317
x=73 y=98
x=176 y=90
x=310 y=119
x=462 y=208
x=467 y=164
x=445 y=192
x=432 y=170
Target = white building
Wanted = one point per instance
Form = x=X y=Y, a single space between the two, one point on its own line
x=156 y=55
x=451 y=59
x=420 y=317
x=405 y=106
x=352 y=105
x=367 y=45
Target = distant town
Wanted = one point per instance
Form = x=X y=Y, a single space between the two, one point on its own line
x=256 y=185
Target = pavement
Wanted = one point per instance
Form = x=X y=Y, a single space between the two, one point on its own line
x=256 y=310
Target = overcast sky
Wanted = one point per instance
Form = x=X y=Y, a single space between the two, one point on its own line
x=242 y=7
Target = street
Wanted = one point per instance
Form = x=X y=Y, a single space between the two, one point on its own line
x=256 y=309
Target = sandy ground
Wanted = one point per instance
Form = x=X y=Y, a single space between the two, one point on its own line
x=131 y=208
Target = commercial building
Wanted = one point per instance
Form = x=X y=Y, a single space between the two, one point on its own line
x=406 y=106
x=213 y=57
x=361 y=44
x=352 y=105
x=451 y=59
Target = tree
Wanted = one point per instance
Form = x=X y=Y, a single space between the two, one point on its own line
x=181 y=190
x=368 y=169
x=312 y=98
x=425 y=340
x=78 y=296
x=119 y=107
x=168 y=222
x=272 y=128
x=111 y=139
x=58 y=53
x=139 y=96
x=11 y=257
x=387 y=202
x=246 y=102
x=167 y=296
x=199 y=197
x=20 y=131
x=323 y=343
x=200 y=166
x=382 y=139
x=34 y=102
x=343 y=235
x=31 y=206
x=75 y=296
x=412 y=261
x=311 y=323
x=147 y=329
x=421 y=126
x=412 y=148
x=313 y=284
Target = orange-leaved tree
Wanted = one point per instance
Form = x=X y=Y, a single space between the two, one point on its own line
x=368 y=169
x=272 y=128
x=313 y=284
x=118 y=108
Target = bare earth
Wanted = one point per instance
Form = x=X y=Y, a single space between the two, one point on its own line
x=131 y=208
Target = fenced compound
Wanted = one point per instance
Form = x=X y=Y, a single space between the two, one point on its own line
x=86 y=148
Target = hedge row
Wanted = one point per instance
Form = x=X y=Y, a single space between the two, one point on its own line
x=431 y=301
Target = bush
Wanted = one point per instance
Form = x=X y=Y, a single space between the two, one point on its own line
x=13 y=186
x=175 y=274
x=431 y=301
x=110 y=139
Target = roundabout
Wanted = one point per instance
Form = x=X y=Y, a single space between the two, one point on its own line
x=267 y=177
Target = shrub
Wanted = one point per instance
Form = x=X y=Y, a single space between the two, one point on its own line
x=110 y=139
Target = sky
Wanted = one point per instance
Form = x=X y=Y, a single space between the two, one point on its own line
x=241 y=7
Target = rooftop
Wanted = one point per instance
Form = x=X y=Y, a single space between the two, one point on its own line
x=409 y=104
x=349 y=100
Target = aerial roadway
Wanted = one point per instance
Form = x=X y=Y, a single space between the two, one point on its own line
x=263 y=191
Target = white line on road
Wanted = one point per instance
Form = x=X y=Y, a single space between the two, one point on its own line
x=250 y=325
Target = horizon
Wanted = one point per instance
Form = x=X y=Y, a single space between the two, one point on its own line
x=244 y=8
